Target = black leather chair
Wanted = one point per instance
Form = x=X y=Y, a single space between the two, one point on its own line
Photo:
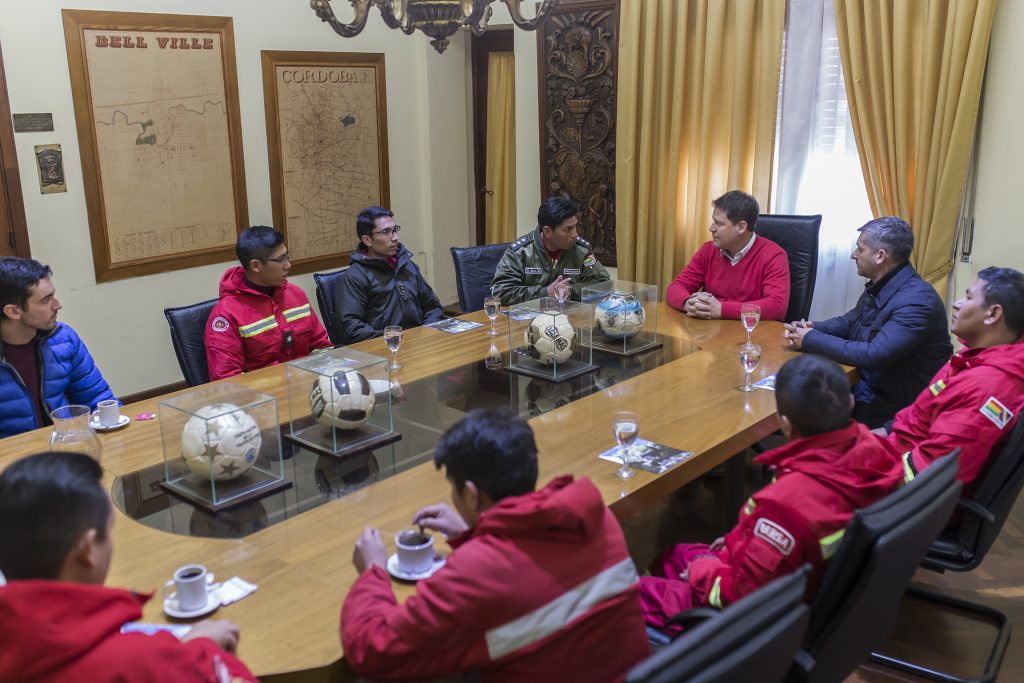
x=855 y=607
x=474 y=270
x=188 y=326
x=963 y=546
x=798 y=235
x=325 y=284
x=754 y=639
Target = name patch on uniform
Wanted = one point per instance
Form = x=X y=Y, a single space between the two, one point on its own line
x=570 y=271
x=774 y=535
x=534 y=271
x=997 y=412
x=220 y=324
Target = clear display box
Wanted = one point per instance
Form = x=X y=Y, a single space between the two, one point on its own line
x=222 y=446
x=625 y=316
x=339 y=402
x=550 y=340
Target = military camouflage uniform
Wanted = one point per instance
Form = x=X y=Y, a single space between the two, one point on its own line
x=525 y=270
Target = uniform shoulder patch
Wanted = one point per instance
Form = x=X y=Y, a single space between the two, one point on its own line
x=996 y=411
x=220 y=324
x=522 y=242
x=774 y=535
x=589 y=261
x=580 y=240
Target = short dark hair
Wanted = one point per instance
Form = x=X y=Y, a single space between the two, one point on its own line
x=554 y=210
x=17 y=278
x=256 y=242
x=814 y=393
x=892 y=234
x=366 y=221
x=47 y=501
x=493 y=449
x=739 y=206
x=1005 y=286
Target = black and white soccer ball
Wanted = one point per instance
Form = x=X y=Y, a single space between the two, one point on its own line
x=550 y=338
x=344 y=400
x=220 y=441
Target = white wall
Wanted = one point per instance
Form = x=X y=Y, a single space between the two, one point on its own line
x=122 y=322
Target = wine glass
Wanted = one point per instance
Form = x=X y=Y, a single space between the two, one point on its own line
x=750 y=356
x=562 y=292
x=393 y=338
x=626 y=426
x=492 y=305
x=750 y=314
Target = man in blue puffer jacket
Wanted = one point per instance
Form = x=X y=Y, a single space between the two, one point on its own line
x=43 y=363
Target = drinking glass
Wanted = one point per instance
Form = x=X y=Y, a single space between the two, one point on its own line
x=750 y=314
x=393 y=338
x=750 y=356
x=73 y=433
x=562 y=293
x=492 y=305
x=626 y=426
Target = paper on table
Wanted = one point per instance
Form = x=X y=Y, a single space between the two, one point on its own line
x=454 y=325
x=766 y=383
x=649 y=456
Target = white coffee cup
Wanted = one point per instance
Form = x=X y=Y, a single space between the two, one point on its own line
x=190 y=588
x=109 y=413
x=414 y=558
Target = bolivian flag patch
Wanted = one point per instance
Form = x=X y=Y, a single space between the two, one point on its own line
x=997 y=412
x=937 y=387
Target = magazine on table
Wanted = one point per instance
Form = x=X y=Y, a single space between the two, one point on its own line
x=649 y=456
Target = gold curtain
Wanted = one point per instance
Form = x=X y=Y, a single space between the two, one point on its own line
x=500 y=174
x=913 y=72
x=697 y=93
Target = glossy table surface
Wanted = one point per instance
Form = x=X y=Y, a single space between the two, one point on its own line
x=302 y=562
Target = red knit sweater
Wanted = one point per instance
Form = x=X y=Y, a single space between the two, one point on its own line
x=761 y=277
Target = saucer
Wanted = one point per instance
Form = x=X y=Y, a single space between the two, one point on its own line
x=212 y=603
x=400 y=573
x=95 y=423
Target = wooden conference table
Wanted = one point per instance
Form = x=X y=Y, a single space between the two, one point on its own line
x=302 y=564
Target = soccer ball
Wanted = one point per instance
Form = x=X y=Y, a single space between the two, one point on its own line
x=344 y=399
x=619 y=316
x=550 y=338
x=221 y=441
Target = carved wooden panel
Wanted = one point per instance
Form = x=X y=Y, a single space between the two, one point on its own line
x=577 y=62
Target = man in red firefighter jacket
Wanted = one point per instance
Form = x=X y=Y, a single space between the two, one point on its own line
x=832 y=467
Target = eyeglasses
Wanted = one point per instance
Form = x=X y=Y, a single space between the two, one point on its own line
x=388 y=232
x=287 y=258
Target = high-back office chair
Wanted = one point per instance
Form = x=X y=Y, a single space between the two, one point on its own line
x=474 y=270
x=855 y=607
x=325 y=284
x=188 y=327
x=963 y=546
x=798 y=235
x=753 y=639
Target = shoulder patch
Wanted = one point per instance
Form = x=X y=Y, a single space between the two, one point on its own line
x=589 y=261
x=220 y=324
x=522 y=241
x=774 y=535
x=937 y=387
x=996 y=411
x=580 y=240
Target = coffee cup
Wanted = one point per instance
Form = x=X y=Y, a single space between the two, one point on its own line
x=415 y=551
x=190 y=589
x=108 y=413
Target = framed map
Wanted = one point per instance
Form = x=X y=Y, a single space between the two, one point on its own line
x=328 y=149
x=156 y=105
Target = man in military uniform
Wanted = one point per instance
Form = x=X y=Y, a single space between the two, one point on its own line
x=550 y=258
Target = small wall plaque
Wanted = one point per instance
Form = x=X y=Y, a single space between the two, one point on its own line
x=33 y=123
x=50 y=163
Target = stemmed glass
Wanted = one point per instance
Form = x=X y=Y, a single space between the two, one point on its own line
x=492 y=305
x=562 y=293
x=626 y=426
x=393 y=338
x=750 y=314
x=750 y=356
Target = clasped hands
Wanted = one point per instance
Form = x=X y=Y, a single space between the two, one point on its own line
x=370 y=550
x=703 y=305
x=796 y=331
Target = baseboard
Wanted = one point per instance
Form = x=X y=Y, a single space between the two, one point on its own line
x=153 y=393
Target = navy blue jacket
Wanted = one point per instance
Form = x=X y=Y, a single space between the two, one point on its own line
x=67 y=376
x=896 y=337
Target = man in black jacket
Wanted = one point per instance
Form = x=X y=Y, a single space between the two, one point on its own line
x=896 y=335
x=382 y=286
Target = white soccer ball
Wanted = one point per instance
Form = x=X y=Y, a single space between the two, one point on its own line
x=550 y=338
x=619 y=316
x=344 y=399
x=220 y=441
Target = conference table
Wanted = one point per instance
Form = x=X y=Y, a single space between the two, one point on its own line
x=302 y=561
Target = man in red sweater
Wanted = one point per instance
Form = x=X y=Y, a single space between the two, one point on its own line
x=832 y=467
x=734 y=268
x=539 y=586
x=57 y=620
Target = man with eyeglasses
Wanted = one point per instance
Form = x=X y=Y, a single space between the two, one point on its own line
x=382 y=286
x=261 y=319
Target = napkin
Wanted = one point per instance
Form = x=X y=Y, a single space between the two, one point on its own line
x=234 y=589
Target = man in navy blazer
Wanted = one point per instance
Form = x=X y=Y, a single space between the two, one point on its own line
x=896 y=335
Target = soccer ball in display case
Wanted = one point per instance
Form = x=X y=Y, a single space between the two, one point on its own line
x=550 y=338
x=344 y=400
x=619 y=316
x=625 y=316
x=220 y=441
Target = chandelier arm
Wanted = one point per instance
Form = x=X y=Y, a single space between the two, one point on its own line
x=514 y=10
x=477 y=20
x=394 y=14
x=324 y=10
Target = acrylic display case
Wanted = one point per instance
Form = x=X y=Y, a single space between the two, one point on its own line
x=340 y=401
x=550 y=340
x=222 y=446
x=625 y=316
